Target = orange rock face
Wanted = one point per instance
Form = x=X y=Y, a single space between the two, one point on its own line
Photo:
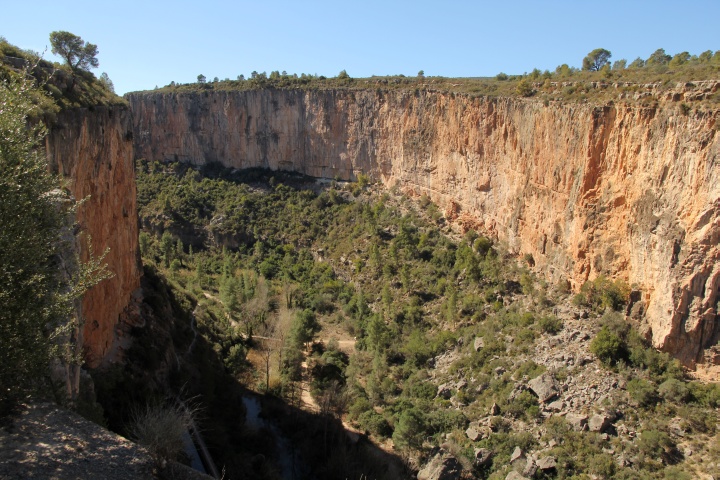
x=625 y=191
x=93 y=150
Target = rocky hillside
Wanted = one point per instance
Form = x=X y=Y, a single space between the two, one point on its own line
x=582 y=190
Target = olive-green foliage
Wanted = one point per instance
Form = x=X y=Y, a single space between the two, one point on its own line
x=655 y=444
x=524 y=88
x=596 y=59
x=603 y=293
x=643 y=392
x=410 y=429
x=660 y=68
x=607 y=346
x=673 y=390
x=60 y=88
x=697 y=419
x=705 y=394
x=617 y=341
x=304 y=327
x=77 y=53
x=375 y=423
x=30 y=219
x=550 y=324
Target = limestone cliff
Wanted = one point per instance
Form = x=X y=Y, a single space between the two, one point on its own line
x=93 y=150
x=628 y=191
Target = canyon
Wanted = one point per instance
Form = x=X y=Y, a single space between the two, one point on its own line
x=580 y=190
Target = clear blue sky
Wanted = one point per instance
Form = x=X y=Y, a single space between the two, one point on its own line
x=149 y=43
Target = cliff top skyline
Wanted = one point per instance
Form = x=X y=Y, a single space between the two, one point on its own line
x=152 y=44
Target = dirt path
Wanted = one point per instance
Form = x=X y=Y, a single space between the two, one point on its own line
x=307 y=401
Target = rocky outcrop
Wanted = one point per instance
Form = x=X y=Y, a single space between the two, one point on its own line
x=627 y=191
x=93 y=150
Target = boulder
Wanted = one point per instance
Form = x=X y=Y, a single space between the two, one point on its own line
x=599 y=423
x=530 y=468
x=478 y=344
x=482 y=456
x=441 y=467
x=515 y=392
x=513 y=475
x=494 y=409
x=517 y=454
x=547 y=464
x=473 y=434
x=444 y=391
x=544 y=387
x=577 y=421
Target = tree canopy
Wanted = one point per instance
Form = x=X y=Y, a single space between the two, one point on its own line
x=28 y=240
x=596 y=59
x=79 y=54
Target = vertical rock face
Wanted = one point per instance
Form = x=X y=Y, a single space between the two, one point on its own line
x=93 y=150
x=624 y=191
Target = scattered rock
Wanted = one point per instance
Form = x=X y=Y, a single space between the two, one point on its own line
x=482 y=456
x=513 y=475
x=547 y=463
x=519 y=388
x=599 y=423
x=473 y=434
x=517 y=454
x=441 y=467
x=530 y=468
x=544 y=387
x=444 y=392
x=577 y=421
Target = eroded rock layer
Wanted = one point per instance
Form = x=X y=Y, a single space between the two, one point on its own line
x=626 y=191
x=93 y=150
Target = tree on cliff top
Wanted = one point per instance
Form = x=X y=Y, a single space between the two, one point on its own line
x=79 y=54
x=596 y=60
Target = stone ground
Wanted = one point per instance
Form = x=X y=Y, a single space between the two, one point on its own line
x=50 y=443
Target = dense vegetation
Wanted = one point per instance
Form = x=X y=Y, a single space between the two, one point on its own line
x=285 y=272
x=43 y=275
x=599 y=80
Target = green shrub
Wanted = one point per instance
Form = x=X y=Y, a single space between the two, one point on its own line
x=603 y=293
x=705 y=394
x=550 y=324
x=698 y=420
x=643 y=392
x=410 y=429
x=375 y=423
x=673 y=390
x=655 y=443
x=607 y=346
x=524 y=88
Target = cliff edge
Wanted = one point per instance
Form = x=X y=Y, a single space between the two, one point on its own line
x=627 y=191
